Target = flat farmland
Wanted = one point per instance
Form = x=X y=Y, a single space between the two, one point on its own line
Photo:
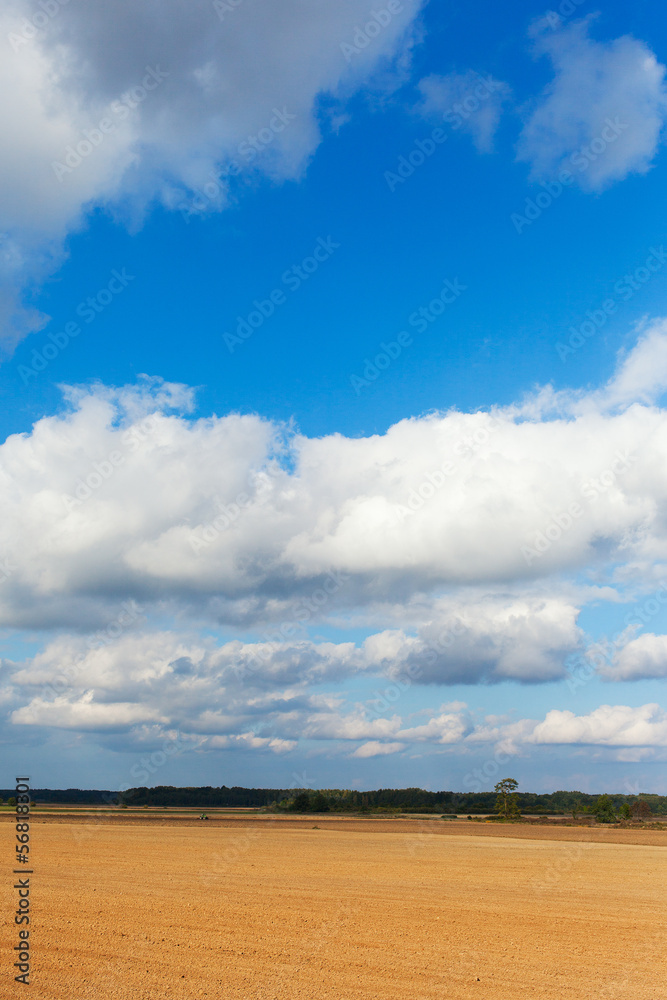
x=269 y=910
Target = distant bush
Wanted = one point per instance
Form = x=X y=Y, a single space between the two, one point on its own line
x=604 y=810
x=640 y=809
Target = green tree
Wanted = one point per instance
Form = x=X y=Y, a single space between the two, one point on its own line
x=625 y=811
x=318 y=803
x=300 y=803
x=11 y=801
x=604 y=809
x=507 y=802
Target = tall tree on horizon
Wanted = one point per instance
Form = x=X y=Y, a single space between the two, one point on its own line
x=506 y=803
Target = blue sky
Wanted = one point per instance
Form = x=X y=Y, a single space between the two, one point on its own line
x=377 y=409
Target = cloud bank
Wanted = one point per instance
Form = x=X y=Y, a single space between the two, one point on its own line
x=463 y=545
x=121 y=498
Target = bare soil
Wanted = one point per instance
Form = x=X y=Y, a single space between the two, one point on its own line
x=338 y=909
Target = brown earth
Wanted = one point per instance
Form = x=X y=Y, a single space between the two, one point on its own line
x=258 y=909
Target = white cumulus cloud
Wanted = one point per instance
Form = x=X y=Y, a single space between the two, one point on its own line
x=608 y=725
x=640 y=659
x=602 y=115
x=239 y=520
x=138 y=103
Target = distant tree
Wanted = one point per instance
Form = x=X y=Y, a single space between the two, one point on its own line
x=507 y=804
x=604 y=809
x=640 y=809
x=625 y=812
x=300 y=803
x=11 y=801
x=318 y=803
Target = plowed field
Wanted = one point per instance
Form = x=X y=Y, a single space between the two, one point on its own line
x=262 y=910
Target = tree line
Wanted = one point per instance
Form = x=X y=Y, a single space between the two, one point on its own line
x=65 y=796
x=389 y=800
x=382 y=800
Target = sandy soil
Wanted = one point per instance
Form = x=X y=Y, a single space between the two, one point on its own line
x=273 y=911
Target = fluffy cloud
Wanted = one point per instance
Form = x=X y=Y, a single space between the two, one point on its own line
x=468 y=101
x=234 y=520
x=451 y=540
x=141 y=103
x=149 y=686
x=641 y=659
x=608 y=725
x=375 y=749
x=182 y=682
x=483 y=637
x=612 y=726
x=85 y=714
x=448 y=727
x=602 y=115
x=642 y=373
x=249 y=741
